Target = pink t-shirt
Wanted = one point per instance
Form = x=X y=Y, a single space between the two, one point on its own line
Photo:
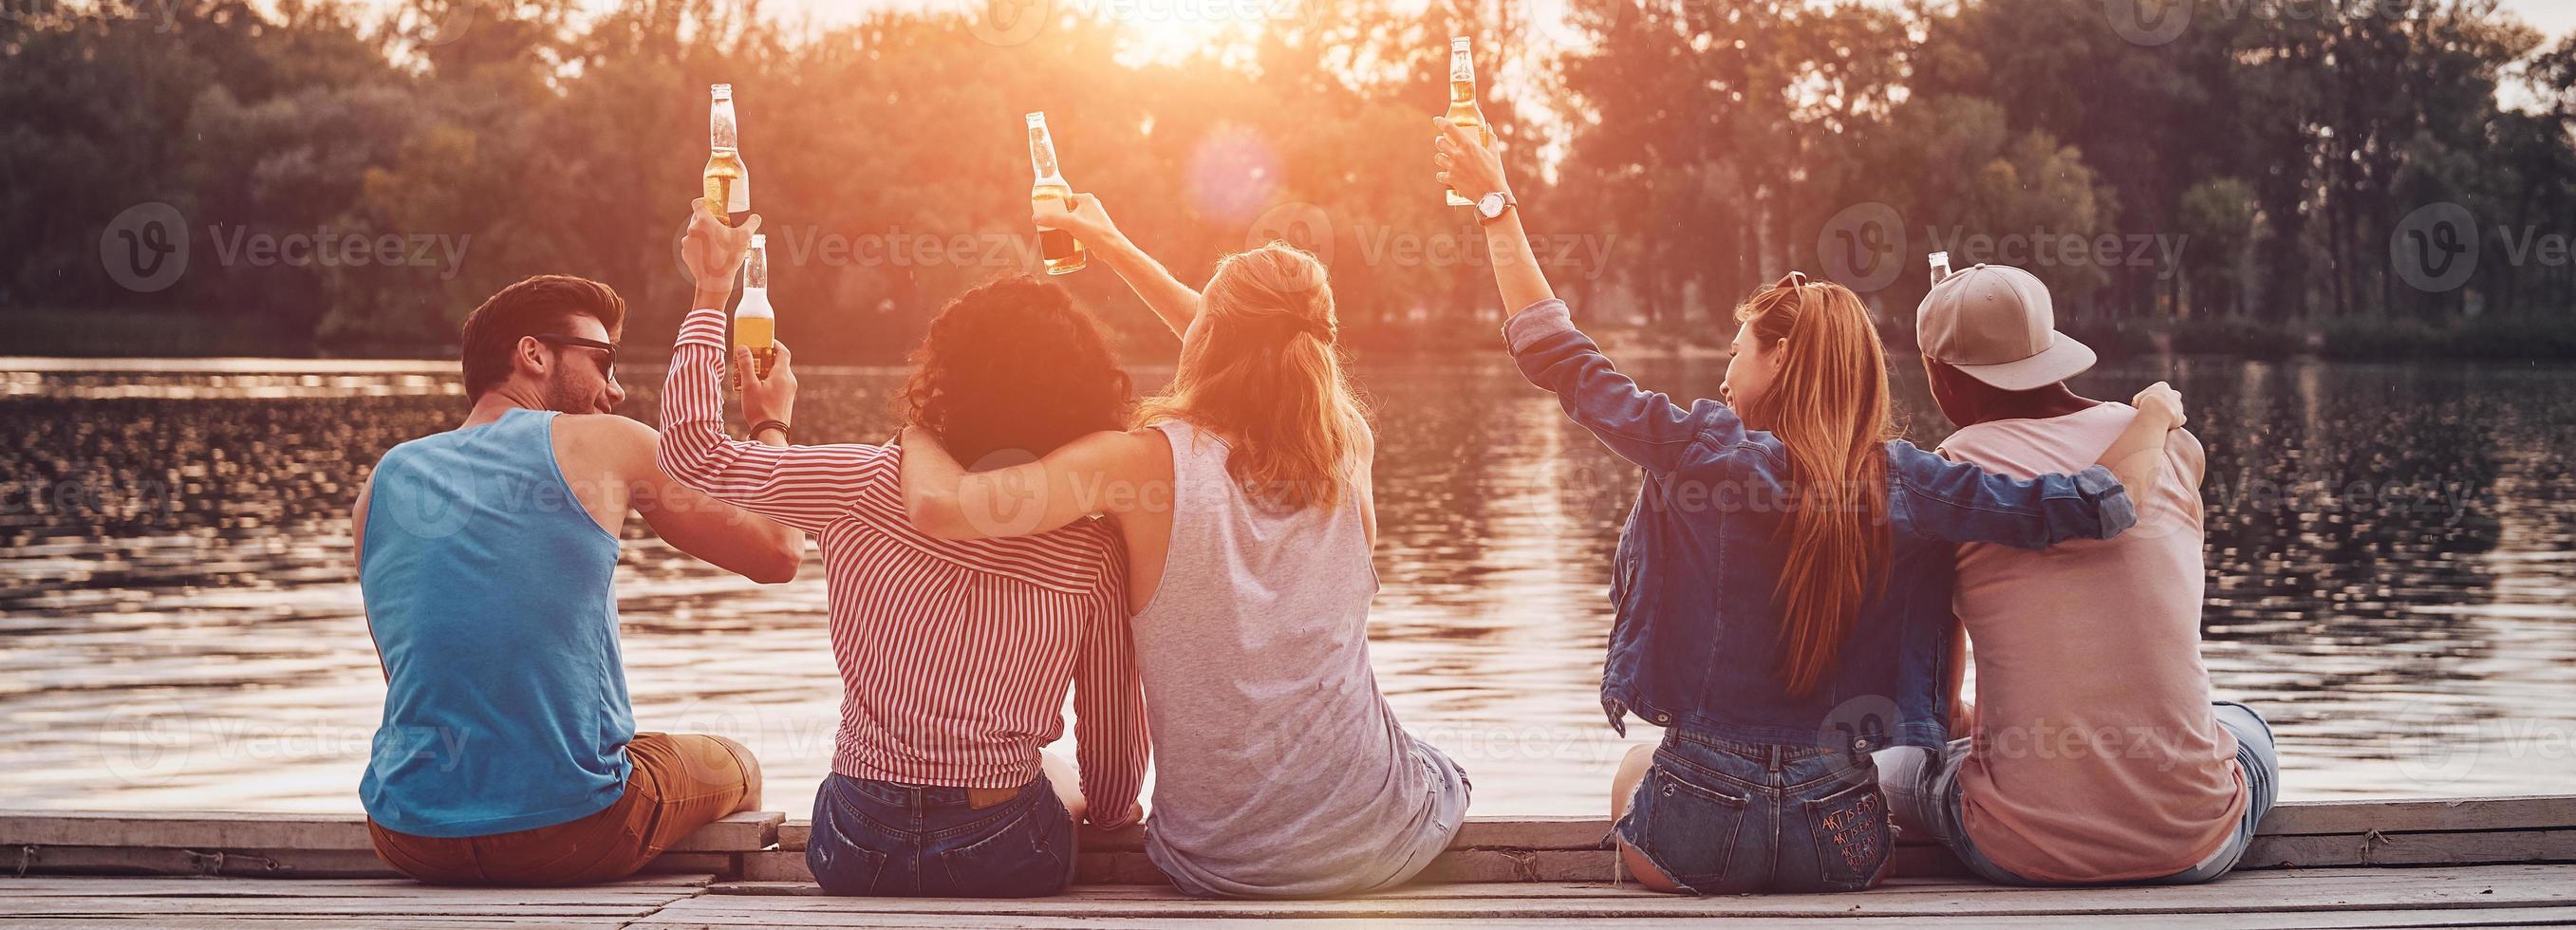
x=2097 y=757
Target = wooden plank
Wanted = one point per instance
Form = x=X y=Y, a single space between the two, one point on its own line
x=318 y=923
x=1912 y=860
x=2421 y=814
x=2487 y=917
x=162 y=830
x=2383 y=849
x=753 y=830
x=2254 y=885
x=2288 y=818
x=283 y=863
x=2420 y=889
x=308 y=907
x=79 y=884
x=747 y=831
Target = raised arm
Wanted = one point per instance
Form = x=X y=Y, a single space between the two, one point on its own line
x=1089 y=222
x=1464 y=164
x=723 y=535
x=1104 y=472
x=1644 y=427
x=806 y=487
x=1961 y=503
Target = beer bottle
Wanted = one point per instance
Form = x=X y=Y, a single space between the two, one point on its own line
x=728 y=180
x=755 y=325
x=1063 y=255
x=1462 y=106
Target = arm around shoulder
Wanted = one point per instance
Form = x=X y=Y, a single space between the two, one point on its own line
x=1104 y=472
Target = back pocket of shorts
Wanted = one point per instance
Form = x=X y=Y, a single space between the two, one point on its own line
x=1850 y=832
x=840 y=866
x=1689 y=828
x=1024 y=857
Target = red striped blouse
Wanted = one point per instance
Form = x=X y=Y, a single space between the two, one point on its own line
x=954 y=655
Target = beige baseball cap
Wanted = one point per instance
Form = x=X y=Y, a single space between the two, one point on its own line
x=1995 y=323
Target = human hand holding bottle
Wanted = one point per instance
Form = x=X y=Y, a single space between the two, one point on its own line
x=769 y=395
x=712 y=252
x=1463 y=163
x=1082 y=215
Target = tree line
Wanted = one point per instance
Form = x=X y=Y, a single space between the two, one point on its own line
x=2352 y=176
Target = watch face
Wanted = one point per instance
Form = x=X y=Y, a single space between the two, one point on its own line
x=1491 y=205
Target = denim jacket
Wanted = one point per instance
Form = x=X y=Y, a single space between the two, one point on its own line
x=1695 y=646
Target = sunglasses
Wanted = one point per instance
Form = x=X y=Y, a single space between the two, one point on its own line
x=607 y=350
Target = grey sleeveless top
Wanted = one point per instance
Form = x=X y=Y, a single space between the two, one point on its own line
x=1279 y=769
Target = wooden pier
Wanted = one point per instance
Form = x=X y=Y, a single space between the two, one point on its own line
x=2454 y=862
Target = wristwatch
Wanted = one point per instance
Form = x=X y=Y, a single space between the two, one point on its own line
x=1491 y=206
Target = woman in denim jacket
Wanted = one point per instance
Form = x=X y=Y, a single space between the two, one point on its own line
x=1782 y=588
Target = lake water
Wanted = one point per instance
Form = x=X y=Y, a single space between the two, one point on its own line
x=2391 y=577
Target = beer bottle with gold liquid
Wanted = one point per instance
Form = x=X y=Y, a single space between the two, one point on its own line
x=1063 y=255
x=755 y=325
x=728 y=180
x=1462 y=104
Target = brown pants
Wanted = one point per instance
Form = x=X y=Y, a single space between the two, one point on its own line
x=681 y=782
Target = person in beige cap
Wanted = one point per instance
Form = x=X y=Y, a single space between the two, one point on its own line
x=2093 y=753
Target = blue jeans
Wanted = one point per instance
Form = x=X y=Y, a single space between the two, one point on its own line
x=1722 y=817
x=883 y=839
x=1924 y=787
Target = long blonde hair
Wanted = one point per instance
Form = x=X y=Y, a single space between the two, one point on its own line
x=1828 y=405
x=1262 y=372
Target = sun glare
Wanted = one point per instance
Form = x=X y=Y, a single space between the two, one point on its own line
x=1172 y=30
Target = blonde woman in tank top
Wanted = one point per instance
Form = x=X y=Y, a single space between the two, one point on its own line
x=1243 y=495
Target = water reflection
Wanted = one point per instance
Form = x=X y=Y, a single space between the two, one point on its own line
x=2390 y=579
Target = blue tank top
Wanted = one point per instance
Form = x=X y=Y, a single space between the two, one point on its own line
x=488 y=593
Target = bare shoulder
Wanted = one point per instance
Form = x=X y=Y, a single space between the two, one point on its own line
x=1144 y=447
x=594 y=442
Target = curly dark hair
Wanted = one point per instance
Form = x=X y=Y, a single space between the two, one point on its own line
x=1013 y=365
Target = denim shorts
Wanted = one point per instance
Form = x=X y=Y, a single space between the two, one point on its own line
x=1722 y=817
x=883 y=839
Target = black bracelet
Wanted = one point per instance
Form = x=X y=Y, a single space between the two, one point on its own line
x=764 y=425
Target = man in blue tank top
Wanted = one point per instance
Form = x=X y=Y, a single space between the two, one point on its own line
x=508 y=754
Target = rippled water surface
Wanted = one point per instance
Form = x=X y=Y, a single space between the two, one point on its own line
x=2389 y=554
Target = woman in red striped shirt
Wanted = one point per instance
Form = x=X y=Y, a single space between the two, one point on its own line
x=1244 y=497
x=954 y=655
